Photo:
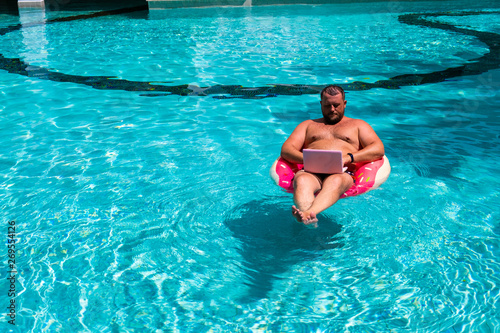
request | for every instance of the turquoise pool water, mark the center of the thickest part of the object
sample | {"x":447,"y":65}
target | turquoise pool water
{"x":135,"y":150}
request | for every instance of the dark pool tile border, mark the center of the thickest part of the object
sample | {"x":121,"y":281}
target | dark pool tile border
{"x":489,"y":61}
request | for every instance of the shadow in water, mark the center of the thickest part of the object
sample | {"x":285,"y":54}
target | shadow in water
{"x":272,"y":242}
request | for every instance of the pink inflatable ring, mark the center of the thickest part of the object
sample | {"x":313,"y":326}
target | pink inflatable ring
{"x":368,"y":176}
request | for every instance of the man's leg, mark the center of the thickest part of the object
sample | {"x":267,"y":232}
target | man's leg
{"x":305,"y":185}
{"x":333,"y":187}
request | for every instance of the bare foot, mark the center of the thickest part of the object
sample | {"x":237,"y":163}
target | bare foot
{"x":297,"y":214}
{"x":310,"y":219}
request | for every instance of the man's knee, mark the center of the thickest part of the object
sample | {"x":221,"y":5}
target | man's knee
{"x":306,"y":180}
{"x":338,"y":181}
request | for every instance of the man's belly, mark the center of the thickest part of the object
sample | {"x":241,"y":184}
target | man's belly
{"x":332,"y":145}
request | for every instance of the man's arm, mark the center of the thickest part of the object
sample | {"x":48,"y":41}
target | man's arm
{"x":371,"y":146}
{"x":292,"y":148}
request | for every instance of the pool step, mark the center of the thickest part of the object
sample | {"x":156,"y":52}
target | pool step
{"x":31,"y":3}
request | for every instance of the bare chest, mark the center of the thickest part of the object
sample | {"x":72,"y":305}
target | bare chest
{"x":332,"y":133}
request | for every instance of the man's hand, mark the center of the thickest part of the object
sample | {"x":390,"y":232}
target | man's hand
{"x":346,"y":159}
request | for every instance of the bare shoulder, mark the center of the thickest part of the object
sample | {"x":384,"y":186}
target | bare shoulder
{"x":366,"y":133}
{"x":300,"y":130}
{"x":306,"y":123}
{"x":359,"y":123}
{"x":315,"y":121}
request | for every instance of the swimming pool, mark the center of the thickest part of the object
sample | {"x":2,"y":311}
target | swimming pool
{"x":135,"y":155}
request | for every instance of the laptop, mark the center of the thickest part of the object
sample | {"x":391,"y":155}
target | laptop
{"x":323,"y":161}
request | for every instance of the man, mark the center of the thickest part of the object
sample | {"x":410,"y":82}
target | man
{"x":354,"y":137}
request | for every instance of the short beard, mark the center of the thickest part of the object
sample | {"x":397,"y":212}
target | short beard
{"x":329,"y":121}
